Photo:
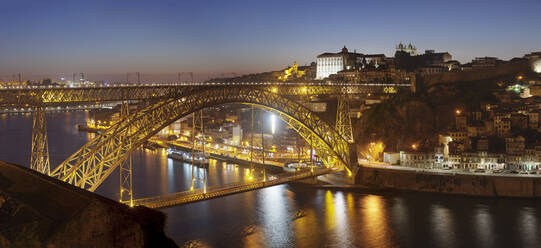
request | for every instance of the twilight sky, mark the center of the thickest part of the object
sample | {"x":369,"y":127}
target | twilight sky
{"x":52,"y":37}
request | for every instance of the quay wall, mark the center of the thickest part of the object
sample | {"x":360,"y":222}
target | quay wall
{"x":463,"y":184}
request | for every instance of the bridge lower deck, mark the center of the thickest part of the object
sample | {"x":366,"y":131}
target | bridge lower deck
{"x":196,"y":195}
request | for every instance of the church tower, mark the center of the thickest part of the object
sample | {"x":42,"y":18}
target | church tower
{"x":412,"y":50}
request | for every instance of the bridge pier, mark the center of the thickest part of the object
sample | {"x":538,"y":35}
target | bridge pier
{"x":39,"y":157}
{"x":311,"y":180}
{"x":351,"y":174}
{"x":125,"y":171}
{"x":352,"y":179}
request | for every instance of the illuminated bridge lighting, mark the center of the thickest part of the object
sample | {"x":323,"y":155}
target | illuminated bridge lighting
{"x":273,"y":124}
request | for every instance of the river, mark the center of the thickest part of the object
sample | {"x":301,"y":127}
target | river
{"x":285,"y":216}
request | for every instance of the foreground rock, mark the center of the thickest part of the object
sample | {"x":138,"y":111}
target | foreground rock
{"x":39,"y":211}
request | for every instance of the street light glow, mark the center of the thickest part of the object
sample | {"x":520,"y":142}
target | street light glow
{"x":537,"y":66}
{"x":273,"y":123}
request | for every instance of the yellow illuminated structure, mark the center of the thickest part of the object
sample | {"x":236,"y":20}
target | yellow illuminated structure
{"x":390,"y":90}
{"x":90,"y":165}
{"x":95,"y":161}
{"x":39,"y":158}
{"x":125,"y":170}
{"x":47,"y":96}
{"x":91,"y":123}
{"x":373,"y":151}
{"x":292,"y":71}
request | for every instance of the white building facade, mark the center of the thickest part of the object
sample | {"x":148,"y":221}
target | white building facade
{"x":331,"y":63}
{"x":328,"y":65}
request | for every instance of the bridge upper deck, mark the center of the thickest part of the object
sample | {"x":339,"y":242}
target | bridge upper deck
{"x":54,"y":95}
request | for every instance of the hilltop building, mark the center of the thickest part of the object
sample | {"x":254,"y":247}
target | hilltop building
{"x":371,"y":61}
{"x":332,"y":63}
{"x":432,"y":58}
{"x":412,"y":50}
{"x":533,"y":56}
{"x":291,"y":72}
{"x":485,"y":62}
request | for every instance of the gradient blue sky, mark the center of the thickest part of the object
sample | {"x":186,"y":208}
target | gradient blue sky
{"x":48,"y":36}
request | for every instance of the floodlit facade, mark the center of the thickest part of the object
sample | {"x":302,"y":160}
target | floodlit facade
{"x":331,"y":63}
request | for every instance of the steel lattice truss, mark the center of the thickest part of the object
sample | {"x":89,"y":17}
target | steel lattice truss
{"x":45,"y":96}
{"x":56,"y":95}
{"x":343,"y":120}
{"x":92,"y":163}
{"x":39,"y":157}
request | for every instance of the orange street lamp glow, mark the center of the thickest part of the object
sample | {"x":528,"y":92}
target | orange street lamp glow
{"x":414,"y":146}
{"x":458,"y":111}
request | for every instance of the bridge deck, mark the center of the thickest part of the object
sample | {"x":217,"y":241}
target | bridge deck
{"x":61,"y":95}
{"x":186,"y":197}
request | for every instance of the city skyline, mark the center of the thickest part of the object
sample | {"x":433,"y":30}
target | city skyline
{"x":61,"y":37}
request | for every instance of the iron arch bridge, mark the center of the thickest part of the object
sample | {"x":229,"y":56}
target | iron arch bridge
{"x":89,"y":166}
{"x":41,"y":96}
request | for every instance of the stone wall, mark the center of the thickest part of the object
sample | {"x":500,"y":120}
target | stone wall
{"x":487,"y":185}
{"x":476,"y":74}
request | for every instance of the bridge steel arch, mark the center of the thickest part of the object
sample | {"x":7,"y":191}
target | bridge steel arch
{"x":89,"y":166}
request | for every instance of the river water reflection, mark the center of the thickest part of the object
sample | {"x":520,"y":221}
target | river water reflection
{"x":285,"y":216}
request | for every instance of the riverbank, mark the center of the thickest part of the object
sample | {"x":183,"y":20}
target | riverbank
{"x":392,"y":179}
{"x":271,"y":166}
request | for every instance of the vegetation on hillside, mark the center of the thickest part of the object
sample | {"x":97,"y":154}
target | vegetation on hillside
{"x":407,"y":120}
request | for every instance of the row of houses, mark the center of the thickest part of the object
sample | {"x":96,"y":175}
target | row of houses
{"x":467,"y":160}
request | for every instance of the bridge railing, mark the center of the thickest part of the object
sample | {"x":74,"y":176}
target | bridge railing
{"x":179,"y":84}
